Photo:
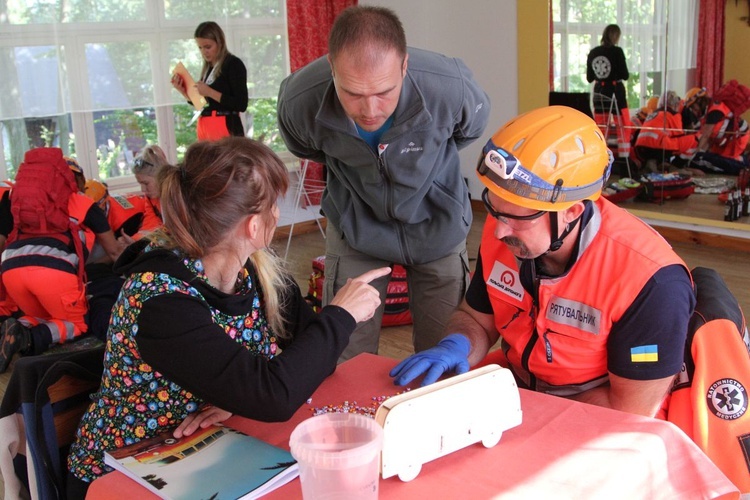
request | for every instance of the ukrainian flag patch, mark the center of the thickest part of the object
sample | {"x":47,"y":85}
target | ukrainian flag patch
{"x":644,"y":354}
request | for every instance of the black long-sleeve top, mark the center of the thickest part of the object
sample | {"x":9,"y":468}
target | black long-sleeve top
{"x":232,"y":83}
{"x":607,"y":66}
{"x":175,"y":342}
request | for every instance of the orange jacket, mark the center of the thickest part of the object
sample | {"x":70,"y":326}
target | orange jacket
{"x":560,"y":347}
{"x":663,"y":130}
{"x":151,"y":209}
{"x":120,"y":211}
{"x":729,"y":137}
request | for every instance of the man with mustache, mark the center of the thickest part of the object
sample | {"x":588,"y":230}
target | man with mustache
{"x":587,"y":301}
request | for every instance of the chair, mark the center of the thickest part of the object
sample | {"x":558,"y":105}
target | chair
{"x":607,"y":116}
{"x":307,"y":190}
{"x":44,"y":402}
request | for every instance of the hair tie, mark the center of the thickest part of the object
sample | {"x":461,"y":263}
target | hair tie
{"x":183,"y":172}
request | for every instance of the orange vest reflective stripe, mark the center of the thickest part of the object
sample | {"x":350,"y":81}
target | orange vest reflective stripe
{"x":564,"y":350}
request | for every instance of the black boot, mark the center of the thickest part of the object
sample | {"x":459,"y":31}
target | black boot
{"x":14,"y":337}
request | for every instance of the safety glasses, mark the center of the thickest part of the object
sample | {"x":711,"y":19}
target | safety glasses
{"x":507,"y":172}
{"x":517,"y":222}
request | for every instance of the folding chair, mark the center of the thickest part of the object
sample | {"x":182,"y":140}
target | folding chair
{"x":43,"y":404}
{"x":307,"y":193}
{"x":607,"y":116}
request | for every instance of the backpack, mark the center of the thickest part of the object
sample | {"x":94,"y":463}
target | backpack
{"x":709,"y":399}
{"x":39,"y":200}
{"x":735,"y":96}
{"x":396,"y":311}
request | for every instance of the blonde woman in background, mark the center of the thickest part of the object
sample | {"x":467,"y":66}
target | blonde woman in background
{"x":223,"y":82}
{"x":146,"y":169}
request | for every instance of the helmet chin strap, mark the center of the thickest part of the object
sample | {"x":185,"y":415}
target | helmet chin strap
{"x":556,"y":240}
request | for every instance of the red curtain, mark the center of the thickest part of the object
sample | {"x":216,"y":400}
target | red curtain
{"x":308,"y":26}
{"x":710,"y":63}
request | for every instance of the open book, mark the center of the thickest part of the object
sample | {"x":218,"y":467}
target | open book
{"x":199,"y":102}
{"x":216,"y":462}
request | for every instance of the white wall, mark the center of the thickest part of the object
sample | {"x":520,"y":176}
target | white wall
{"x":481,"y":32}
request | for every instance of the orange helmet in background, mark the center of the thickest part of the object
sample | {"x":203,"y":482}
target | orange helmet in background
{"x":546,"y":159}
{"x":652,"y":103}
{"x":694,"y":94}
{"x":96,"y":190}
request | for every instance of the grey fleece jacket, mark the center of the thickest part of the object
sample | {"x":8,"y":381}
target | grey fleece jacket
{"x":408,"y":204}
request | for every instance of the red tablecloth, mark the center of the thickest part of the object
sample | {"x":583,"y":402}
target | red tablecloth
{"x":563,"y":449}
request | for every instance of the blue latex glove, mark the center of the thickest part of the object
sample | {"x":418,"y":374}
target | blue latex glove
{"x":451,"y":353}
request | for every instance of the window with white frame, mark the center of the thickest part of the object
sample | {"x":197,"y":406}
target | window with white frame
{"x":93,"y":76}
{"x":658,"y":38}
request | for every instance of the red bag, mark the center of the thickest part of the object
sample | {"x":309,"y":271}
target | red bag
{"x":396,"y":302}
{"x":40,"y":196}
{"x":736,"y":97}
{"x":39,"y":200}
{"x":658,"y":187}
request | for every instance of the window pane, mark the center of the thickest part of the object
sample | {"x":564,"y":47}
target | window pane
{"x":262,"y":124}
{"x":120,"y":136}
{"x":201,"y":9}
{"x":119,"y":75}
{"x":31,"y":82}
{"x":264,"y":58}
{"x":588,"y":11}
{"x":20,"y":135}
{"x":67,"y":11}
{"x":184,"y":128}
{"x":578,"y":49}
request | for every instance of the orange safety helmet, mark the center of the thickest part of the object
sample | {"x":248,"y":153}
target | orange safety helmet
{"x":96,"y":190}
{"x":652,"y":103}
{"x":546,"y":159}
{"x":694,"y":94}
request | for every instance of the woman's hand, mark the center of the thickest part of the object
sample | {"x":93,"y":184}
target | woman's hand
{"x":179,"y":84}
{"x":200,"y":420}
{"x":207,"y":91}
{"x":358,"y":297}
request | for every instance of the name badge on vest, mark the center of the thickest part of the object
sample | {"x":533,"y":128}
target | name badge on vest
{"x":506,"y":280}
{"x":575,"y":314}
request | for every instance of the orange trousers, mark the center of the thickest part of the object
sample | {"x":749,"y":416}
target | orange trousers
{"x":51,"y":297}
{"x":7,"y":306}
{"x":212,"y":128}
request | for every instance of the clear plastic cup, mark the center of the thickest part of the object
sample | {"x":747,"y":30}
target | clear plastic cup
{"x":338,"y":456}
